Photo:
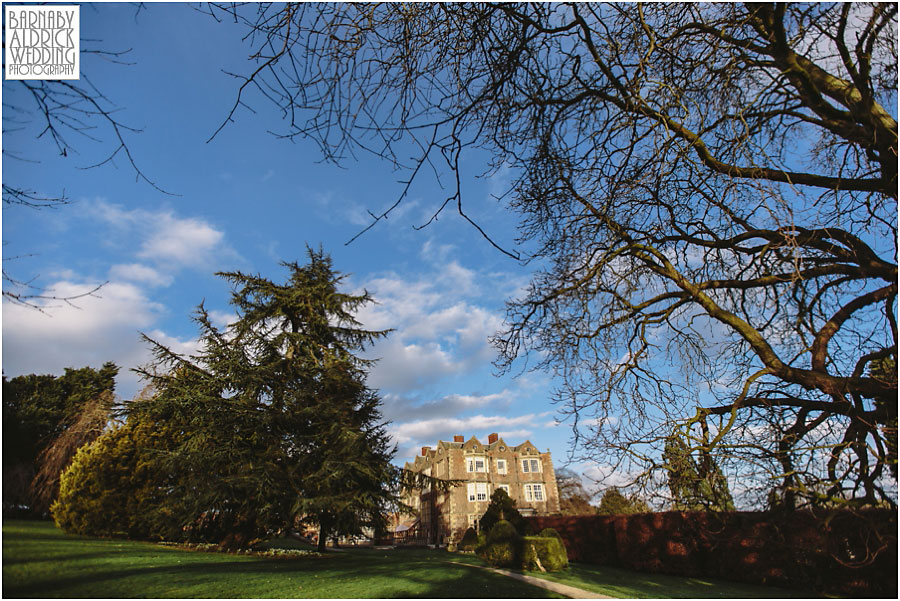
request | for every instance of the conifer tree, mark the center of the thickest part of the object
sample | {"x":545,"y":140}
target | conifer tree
{"x":614,"y":502}
{"x":502,"y":507}
{"x":695,"y":485}
{"x":276,"y":422}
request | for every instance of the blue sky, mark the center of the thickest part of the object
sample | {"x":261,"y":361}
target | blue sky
{"x":247,"y":200}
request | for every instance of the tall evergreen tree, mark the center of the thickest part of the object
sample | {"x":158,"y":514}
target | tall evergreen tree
{"x":614,"y":502}
{"x":695,"y":485}
{"x":277,"y":423}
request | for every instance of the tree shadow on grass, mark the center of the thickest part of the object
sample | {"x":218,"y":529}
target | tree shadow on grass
{"x":57,"y":558}
{"x":337,"y":577}
{"x":627,"y":583}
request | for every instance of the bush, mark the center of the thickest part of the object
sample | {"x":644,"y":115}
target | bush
{"x":98,"y":494}
{"x":550,"y":532}
{"x":469,"y":540}
{"x":482,"y":543}
{"x":544,"y":553}
{"x":502,"y":531}
{"x":503,"y":547}
{"x":113,"y":487}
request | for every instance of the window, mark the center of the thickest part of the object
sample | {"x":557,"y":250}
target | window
{"x":531,"y":466}
{"x":534,"y":492}
{"x":501,"y":466}
{"x":504,"y":487}
{"x":478,"y":491}
{"x":476,"y":464}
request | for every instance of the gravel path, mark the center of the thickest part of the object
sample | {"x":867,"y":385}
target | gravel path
{"x":563,"y":589}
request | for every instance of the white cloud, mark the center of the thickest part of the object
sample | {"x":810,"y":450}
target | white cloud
{"x":436,"y":252}
{"x":222,"y":319}
{"x":136,"y":272}
{"x":402,"y":367}
{"x":88,"y":332}
{"x":442,"y":322}
{"x":106,"y":326}
{"x":181,"y":346}
{"x":168,"y":241}
{"x":401,"y":408}
{"x":181,"y":242}
{"x":440,"y":327}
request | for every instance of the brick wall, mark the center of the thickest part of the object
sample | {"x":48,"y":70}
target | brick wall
{"x":841,"y":552}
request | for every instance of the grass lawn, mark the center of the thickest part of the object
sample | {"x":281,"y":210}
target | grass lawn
{"x":41,"y":561}
{"x":616,"y":582}
{"x":627,"y":584}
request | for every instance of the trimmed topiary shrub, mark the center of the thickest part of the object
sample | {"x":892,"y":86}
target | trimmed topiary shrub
{"x":469,"y":540}
{"x":551,"y":532}
{"x":545,"y":554}
{"x":502,"y":531}
{"x":504,"y":546}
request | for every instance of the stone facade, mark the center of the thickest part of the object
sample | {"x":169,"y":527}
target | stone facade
{"x":525,"y":472}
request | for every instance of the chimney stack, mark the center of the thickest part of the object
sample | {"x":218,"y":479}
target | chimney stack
{"x":425,"y":451}
{"x":492,"y":438}
{"x":459,"y":438}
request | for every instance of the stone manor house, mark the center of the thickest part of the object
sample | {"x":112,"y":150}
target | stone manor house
{"x":523,"y":471}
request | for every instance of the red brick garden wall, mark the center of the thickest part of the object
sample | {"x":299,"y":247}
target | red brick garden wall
{"x":840,"y":553}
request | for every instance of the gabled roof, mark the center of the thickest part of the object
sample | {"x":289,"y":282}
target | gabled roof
{"x":498,"y":443}
{"x":421,"y":462}
{"x":473,"y":444}
{"x":522,"y":448}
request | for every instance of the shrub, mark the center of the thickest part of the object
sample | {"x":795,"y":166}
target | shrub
{"x":98,"y":494}
{"x":482,"y":542}
{"x":113,"y":486}
{"x":544,"y":553}
{"x":469,"y":540}
{"x":503,"y":548}
{"x":550,"y":532}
